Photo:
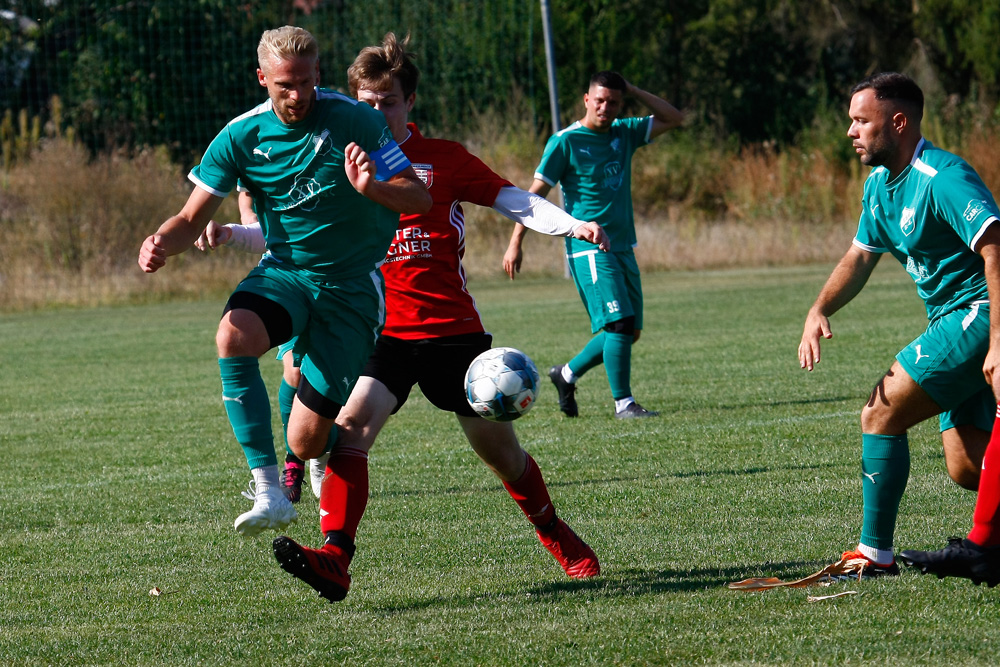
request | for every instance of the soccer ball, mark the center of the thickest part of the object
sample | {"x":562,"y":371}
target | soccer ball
{"x":501,"y":384}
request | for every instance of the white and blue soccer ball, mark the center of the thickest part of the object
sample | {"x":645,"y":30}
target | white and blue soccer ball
{"x":501,"y":384}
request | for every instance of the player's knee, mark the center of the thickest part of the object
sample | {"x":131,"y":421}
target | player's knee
{"x":966,"y":476}
{"x":291,"y":375}
{"x":625,"y":326}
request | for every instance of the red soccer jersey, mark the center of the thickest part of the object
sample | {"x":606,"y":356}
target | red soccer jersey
{"x":426,"y":294}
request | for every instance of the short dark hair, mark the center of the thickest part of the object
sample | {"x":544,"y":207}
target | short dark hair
{"x":377,"y":65}
{"x":608,"y":79}
{"x":897,"y":88}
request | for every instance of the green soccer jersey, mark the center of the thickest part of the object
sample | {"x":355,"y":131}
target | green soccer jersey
{"x":595,"y":171}
{"x":930,"y":218}
{"x":312,"y":217}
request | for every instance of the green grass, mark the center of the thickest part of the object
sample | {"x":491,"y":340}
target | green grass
{"x":120,"y":474}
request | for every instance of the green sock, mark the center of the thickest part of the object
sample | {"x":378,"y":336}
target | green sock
{"x":286,"y":395}
{"x":245,"y":399}
{"x":618,"y":363}
{"x":591,"y":355}
{"x":885,"y":467}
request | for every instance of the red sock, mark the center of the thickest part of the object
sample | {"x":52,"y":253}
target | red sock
{"x":986,"y":519}
{"x":531,"y":494}
{"x":344,"y":496}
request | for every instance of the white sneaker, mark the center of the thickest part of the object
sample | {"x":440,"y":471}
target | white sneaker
{"x":317,"y":472}
{"x":271,"y":509}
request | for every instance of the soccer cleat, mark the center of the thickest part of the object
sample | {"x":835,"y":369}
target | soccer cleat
{"x":291,"y":481}
{"x":576,"y":558}
{"x":317,"y":473}
{"x":635,"y":411}
{"x":271,"y":509}
{"x":567,"y":391}
{"x":868,"y":569}
{"x":961,"y":558}
{"x":323,"y":569}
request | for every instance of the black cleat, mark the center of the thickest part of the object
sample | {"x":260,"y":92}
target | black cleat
{"x":322,"y":569}
{"x":961,"y":558}
{"x":567,"y":391}
{"x":635,"y":411}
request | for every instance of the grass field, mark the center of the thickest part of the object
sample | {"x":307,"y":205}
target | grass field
{"x":121,"y":475}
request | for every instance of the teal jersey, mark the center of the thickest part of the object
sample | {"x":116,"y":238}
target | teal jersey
{"x":312,"y":217}
{"x":595,"y":171}
{"x":930,"y":218}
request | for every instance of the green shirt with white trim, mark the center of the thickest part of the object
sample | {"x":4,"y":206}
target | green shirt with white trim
{"x":595,"y":171}
{"x":312,"y":217}
{"x":930,"y":218}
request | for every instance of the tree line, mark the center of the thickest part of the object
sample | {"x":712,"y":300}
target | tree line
{"x":172,"y":72}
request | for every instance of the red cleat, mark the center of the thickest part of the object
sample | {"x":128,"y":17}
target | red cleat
{"x":324,"y":569}
{"x":576,"y":558}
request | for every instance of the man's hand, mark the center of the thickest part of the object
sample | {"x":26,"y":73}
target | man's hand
{"x":592,"y":233}
{"x":359,"y":167}
{"x":512,"y":260}
{"x":213,"y":236}
{"x":817,"y":326}
{"x":152,"y":255}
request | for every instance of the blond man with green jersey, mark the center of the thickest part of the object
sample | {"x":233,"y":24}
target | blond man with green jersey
{"x":328,"y":183}
{"x":592,"y":160}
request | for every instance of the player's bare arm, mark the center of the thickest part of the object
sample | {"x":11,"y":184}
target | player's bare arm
{"x":180,"y":231}
{"x":512,"y":257}
{"x":665,"y":115}
{"x":846,"y":281}
{"x":403,"y":193}
{"x":989,"y":247}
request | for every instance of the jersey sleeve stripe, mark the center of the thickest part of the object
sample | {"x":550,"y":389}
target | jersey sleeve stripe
{"x":540,"y":176}
{"x":204,"y":186}
{"x":982,"y":230}
{"x":870,"y":248}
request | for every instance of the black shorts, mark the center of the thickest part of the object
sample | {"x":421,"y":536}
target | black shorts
{"x":438,"y":365}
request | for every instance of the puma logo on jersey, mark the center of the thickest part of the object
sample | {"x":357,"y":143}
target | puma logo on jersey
{"x":874,"y":208}
{"x":921,"y":355}
{"x":586,"y":151}
{"x":266,"y":156}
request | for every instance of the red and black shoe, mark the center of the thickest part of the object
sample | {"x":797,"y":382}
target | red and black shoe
{"x":576,"y":558}
{"x":324,"y":569}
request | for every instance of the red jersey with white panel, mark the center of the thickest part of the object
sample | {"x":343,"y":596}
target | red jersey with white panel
{"x":426,"y":293}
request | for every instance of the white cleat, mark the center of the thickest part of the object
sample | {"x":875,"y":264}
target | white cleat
{"x":317,"y":473}
{"x":271,"y":509}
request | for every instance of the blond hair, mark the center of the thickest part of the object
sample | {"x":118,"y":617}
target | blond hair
{"x":376,"y":66}
{"x":286,"y":43}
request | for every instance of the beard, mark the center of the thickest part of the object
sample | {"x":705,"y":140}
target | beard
{"x":879,"y":151}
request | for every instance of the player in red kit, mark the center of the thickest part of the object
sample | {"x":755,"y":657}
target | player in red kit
{"x":432,"y":332}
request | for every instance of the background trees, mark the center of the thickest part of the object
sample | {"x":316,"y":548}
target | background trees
{"x":171,"y":72}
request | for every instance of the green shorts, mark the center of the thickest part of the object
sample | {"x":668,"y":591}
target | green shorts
{"x":609,"y":285}
{"x":947,"y":362}
{"x":335,"y":323}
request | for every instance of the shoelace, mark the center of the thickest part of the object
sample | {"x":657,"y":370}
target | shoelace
{"x":251,"y":491}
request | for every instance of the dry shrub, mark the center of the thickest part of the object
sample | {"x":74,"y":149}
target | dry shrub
{"x":71,"y":227}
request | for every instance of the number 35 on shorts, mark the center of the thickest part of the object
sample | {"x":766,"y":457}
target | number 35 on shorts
{"x":614,"y":306}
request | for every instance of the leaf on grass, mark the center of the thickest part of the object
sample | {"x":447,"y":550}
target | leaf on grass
{"x":155,"y":592}
{"x":845,"y":566}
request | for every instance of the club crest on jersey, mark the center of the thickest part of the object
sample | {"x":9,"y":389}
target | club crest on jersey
{"x":425,"y":172}
{"x":906,"y":222}
{"x":975,"y":207}
{"x":613,"y":175}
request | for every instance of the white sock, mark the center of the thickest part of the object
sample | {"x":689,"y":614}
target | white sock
{"x":877,"y":556}
{"x":265,"y":476}
{"x":569,"y":375}
{"x":622,"y":403}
